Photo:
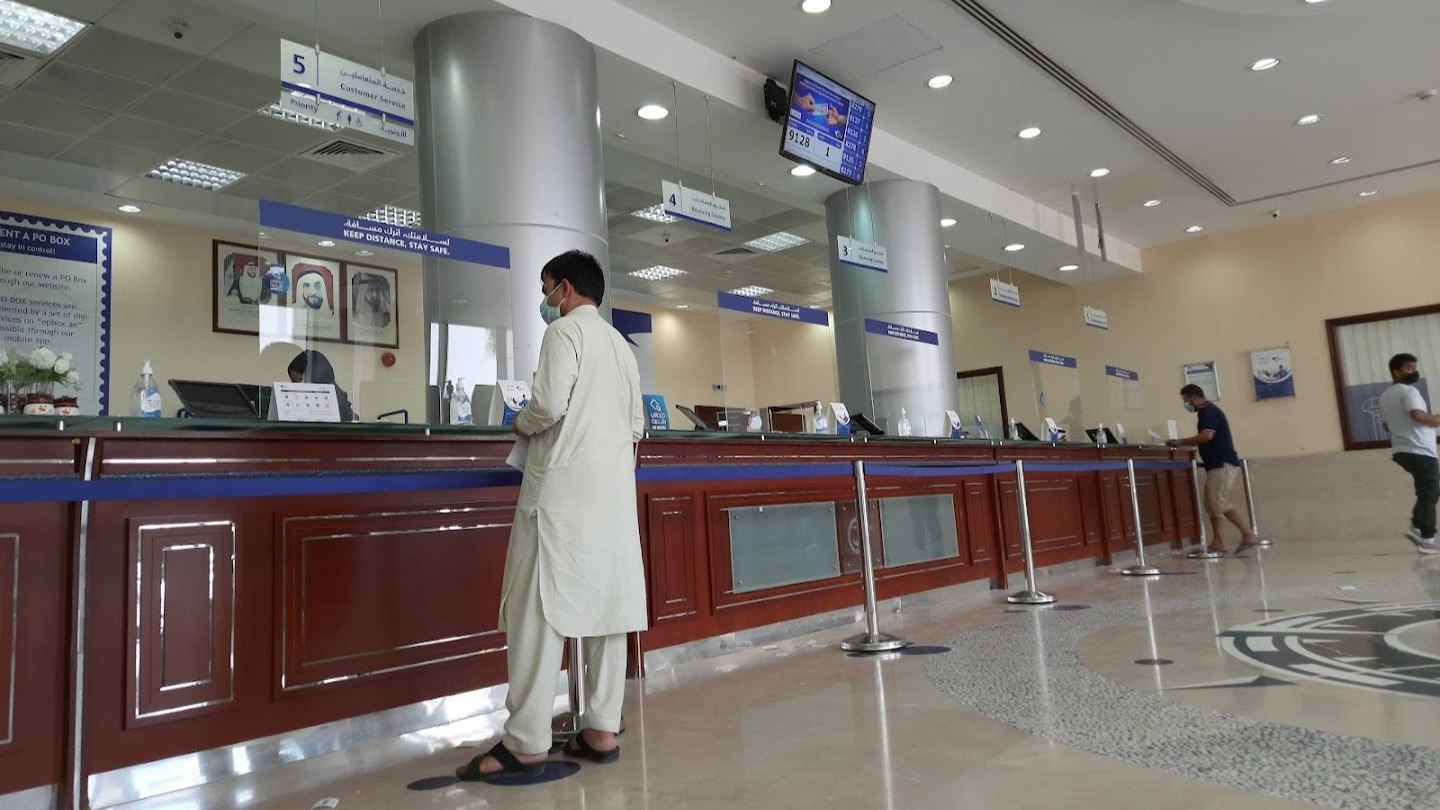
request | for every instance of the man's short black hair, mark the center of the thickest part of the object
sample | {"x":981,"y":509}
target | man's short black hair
{"x":1192,"y":390}
{"x":1398,"y":361}
{"x":581,"y":270}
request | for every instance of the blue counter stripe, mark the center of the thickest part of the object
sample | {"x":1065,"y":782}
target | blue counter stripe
{"x":146,"y":488}
{"x":1061,"y":467}
{"x":748,"y":473}
{"x":895,"y":471}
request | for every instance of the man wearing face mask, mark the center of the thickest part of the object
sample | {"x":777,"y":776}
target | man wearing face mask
{"x":573,"y":568}
{"x":1221,"y":463}
{"x":1412,"y":440}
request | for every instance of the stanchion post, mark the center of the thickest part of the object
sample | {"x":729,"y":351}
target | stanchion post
{"x":1139,"y":569}
{"x":872,"y":640}
{"x":1031,"y":595}
{"x":568,"y":725}
{"x":1204,"y":552}
{"x":1250,"y":505}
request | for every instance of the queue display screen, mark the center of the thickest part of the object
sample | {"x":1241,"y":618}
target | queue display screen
{"x":828,"y":125}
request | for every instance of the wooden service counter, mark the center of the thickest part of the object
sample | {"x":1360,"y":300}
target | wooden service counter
{"x":176,"y":587}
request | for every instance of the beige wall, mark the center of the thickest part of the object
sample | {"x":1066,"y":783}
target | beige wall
{"x":162,"y":312}
{"x":1218,"y":298}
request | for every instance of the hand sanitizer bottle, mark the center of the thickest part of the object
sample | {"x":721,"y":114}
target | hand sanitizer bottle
{"x":1100,"y":435}
{"x":903,"y":426}
{"x":753,"y":423}
{"x":1014,"y":431}
{"x":822,"y":425}
{"x":460,"y":412}
{"x":145,"y":396}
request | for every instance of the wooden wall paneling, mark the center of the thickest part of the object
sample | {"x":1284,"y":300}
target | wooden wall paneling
{"x":1165,"y":494}
{"x":1183,"y":495}
{"x":673,"y":565}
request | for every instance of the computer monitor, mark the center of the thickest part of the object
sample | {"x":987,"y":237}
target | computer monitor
{"x":694,"y":418}
{"x":1094,"y":434}
{"x":1024,"y":433}
{"x":216,"y":400}
{"x":863,"y":422}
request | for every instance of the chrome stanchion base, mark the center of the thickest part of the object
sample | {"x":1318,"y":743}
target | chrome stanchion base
{"x":1263,"y":543}
{"x":1141,"y":571}
{"x":563,"y":729}
{"x":882,"y":642}
{"x":1030,"y":598}
{"x":1204,"y":553}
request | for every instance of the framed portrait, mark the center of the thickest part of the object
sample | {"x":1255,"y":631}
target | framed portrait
{"x":372,"y":311}
{"x":244,"y":278}
{"x":313,"y":299}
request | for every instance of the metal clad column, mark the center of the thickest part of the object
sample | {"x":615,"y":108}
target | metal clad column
{"x":881,"y":375}
{"x":509,"y":129}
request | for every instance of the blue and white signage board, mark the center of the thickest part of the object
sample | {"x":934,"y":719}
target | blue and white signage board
{"x":695,"y":206}
{"x":341,"y":81}
{"x":55,"y":294}
{"x":1205,"y":375}
{"x":1096,"y":318}
{"x":507,"y":399}
{"x":980,"y":429}
{"x":656,"y":416}
{"x":957,"y":430}
{"x":900,"y":331}
{"x":772,"y":309}
{"x":865,"y":255}
{"x":1003,"y":293}
{"x":286,"y":217}
{"x":347,"y":117}
{"x":1274,"y":373}
{"x":840,"y":418}
{"x":1048,"y":359}
{"x":1122,"y":373}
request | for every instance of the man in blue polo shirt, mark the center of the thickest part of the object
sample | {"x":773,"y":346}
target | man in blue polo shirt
{"x":1221,"y":463}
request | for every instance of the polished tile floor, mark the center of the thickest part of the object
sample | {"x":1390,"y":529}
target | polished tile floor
{"x":1304,"y":675}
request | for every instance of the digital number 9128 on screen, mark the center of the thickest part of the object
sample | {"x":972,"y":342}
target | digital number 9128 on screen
{"x":800,"y":139}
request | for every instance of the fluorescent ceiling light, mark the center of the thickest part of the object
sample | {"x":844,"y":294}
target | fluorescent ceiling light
{"x":1264,"y":64}
{"x":364,"y":253}
{"x":195,"y":175}
{"x":777,"y":241}
{"x":803,"y":170}
{"x":1099,"y":172}
{"x":1015,"y":247}
{"x":940,"y":82}
{"x":658,"y":273}
{"x":275,"y":111}
{"x":1029,"y":133}
{"x":815,"y":6}
{"x":682,"y":306}
{"x":751,"y":291}
{"x":393,"y":215}
{"x":1151,"y":203}
{"x":1313,"y":2}
{"x":1194,"y":229}
{"x":33,"y":30}
{"x":1370,"y":193}
{"x":130,"y":209}
{"x":946,"y":222}
{"x":1340,"y":161}
{"x":1069,"y":268}
{"x":652,"y":112}
{"x":655,"y":213}
{"x":326,"y":243}
{"x":1307,"y":120}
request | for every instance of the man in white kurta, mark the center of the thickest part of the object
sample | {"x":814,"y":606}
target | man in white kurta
{"x":573,"y":568}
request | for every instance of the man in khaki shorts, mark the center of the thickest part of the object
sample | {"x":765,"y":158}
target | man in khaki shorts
{"x":1221,"y":463}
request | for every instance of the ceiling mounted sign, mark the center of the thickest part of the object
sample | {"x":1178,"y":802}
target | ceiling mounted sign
{"x":1003,"y":293}
{"x":333,"y":81}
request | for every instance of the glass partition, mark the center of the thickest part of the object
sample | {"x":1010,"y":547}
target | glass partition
{"x":778,"y":360}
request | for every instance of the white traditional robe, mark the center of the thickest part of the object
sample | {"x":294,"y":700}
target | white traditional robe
{"x":577,"y":501}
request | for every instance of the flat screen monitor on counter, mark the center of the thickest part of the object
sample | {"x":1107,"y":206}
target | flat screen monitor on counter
{"x":827,"y":126}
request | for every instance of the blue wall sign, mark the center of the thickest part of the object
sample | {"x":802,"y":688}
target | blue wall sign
{"x":656,"y":415}
{"x":1053,"y":359}
{"x":773,"y":309}
{"x":363,"y":231}
{"x":896,"y":330}
{"x":1122,"y":373}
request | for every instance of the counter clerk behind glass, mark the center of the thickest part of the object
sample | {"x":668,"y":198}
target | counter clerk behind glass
{"x":573,"y":568}
{"x":313,"y":367}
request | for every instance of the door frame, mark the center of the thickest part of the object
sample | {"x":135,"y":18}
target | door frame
{"x":998,"y":372}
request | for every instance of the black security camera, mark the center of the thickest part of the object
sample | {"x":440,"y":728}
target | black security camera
{"x":777,"y":100}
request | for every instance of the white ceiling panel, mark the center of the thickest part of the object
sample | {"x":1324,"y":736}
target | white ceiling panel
{"x":29,"y":141}
{"x":86,"y":87}
{"x":227,"y":85}
{"x":305,"y":172}
{"x":274,"y":134}
{"x":205,"y":28}
{"x":342,"y":203}
{"x":109,"y":157}
{"x":101,"y":49}
{"x":86,"y":10}
{"x":231,"y":155}
{"x":265,"y":188}
{"x":256,"y":49}
{"x":29,"y":109}
{"x":405,"y":169}
{"x":140,"y":133}
{"x":375,"y":188}
{"x":186,"y":111}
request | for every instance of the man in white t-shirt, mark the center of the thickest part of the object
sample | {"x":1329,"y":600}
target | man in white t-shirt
{"x":1412,"y":439}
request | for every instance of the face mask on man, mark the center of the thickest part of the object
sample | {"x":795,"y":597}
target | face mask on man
{"x":1190,"y":406}
{"x":550,"y":314}
{"x":1411,"y":378}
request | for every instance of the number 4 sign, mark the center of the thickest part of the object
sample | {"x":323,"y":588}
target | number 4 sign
{"x":695,"y":206}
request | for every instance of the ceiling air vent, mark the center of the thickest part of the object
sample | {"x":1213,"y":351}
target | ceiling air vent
{"x":734,"y":254}
{"x":16,"y":68}
{"x":349,"y":155}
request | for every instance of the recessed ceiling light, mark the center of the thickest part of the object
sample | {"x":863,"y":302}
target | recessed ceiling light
{"x":815,"y":6}
{"x":1340,"y":161}
{"x":1099,"y":172}
{"x":1014,"y":247}
{"x":1264,"y":64}
{"x":751,"y":291}
{"x":1307,"y":120}
{"x":1069,"y":268}
{"x":195,"y":175}
{"x":1029,"y":132}
{"x":940,"y":82}
{"x":777,"y":241}
{"x":655,"y":213}
{"x":1194,"y":229}
{"x":264,"y":235}
{"x":803,"y":170}
{"x":1370,"y":193}
{"x":1151,"y":203}
{"x":658,"y":273}
{"x":326,"y":243}
{"x":364,"y":253}
{"x":394,"y":215}
{"x":1313,"y":2}
{"x":946,"y":222}
{"x":682,"y":306}
{"x":33,"y":30}
{"x":652,"y":112}
{"x":130,"y":209}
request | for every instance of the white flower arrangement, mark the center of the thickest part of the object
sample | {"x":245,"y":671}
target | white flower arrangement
{"x":43,"y":365}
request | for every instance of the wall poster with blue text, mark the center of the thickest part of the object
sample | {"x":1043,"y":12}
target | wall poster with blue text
{"x":55,"y":294}
{"x":1274,"y":373}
